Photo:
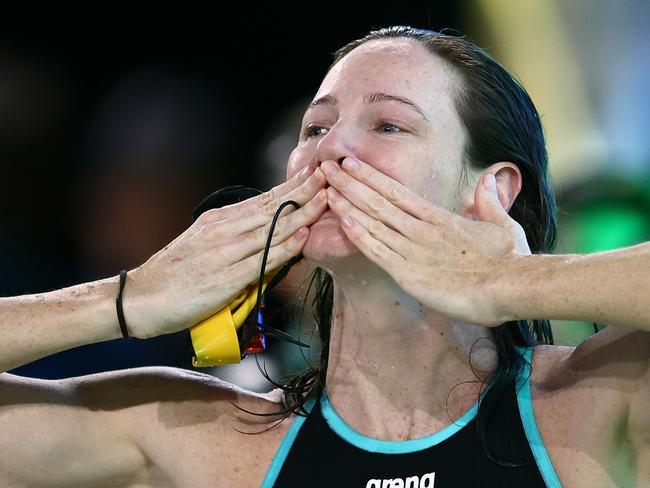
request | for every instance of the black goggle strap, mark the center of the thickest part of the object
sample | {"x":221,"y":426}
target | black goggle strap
{"x":259,"y":326}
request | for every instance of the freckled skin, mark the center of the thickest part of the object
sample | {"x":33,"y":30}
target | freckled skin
{"x":387,"y":357}
{"x":392,"y":370}
{"x":428,"y":161}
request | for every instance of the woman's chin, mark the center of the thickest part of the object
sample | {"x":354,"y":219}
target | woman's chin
{"x":327,"y":241}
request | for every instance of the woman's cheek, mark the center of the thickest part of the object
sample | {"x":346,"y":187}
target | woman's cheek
{"x":300,"y":157}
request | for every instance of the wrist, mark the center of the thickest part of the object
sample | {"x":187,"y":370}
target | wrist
{"x":518,"y":290}
{"x":93,"y":303}
{"x":118,"y":306}
{"x":527,"y":286}
{"x":129,"y":296}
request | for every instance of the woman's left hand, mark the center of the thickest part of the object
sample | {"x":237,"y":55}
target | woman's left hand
{"x":448,"y":262}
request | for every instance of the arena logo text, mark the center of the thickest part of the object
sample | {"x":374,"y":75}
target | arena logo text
{"x":426,"y":481}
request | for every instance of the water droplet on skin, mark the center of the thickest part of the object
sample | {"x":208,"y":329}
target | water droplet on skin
{"x":350,"y":277}
{"x":364,"y":282}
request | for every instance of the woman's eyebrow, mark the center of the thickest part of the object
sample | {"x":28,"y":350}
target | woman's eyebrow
{"x":385,"y":97}
{"x":324,"y":100}
{"x":372,"y":98}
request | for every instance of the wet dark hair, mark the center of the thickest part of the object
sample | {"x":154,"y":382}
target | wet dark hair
{"x":501,"y":124}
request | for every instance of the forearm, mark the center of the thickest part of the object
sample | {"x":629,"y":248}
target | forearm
{"x":35,"y":326}
{"x":611,"y":287}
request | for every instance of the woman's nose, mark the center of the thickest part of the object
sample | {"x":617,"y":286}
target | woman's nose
{"x":340,"y":160}
{"x":336,"y":145}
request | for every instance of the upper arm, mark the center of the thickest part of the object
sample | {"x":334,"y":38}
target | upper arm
{"x":186,"y":425}
{"x":51,"y":437}
{"x":617,"y":363}
{"x":120,"y":427}
{"x":639,"y":407}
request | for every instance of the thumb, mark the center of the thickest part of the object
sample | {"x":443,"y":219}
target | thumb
{"x":487,"y":203}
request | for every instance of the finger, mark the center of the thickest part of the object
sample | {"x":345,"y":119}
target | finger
{"x":378,"y":206}
{"x":396,"y":193}
{"x":488,"y":206}
{"x":254,"y":204}
{"x":256,"y":216}
{"x":264,"y":210}
{"x":248,"y":270}
{"x":376,"y":228}
{"x":285,"y":227}
{"x":372,"y":248}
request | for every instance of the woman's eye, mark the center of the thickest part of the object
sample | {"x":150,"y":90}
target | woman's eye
{"x":314,"y":131}
{"x":386,"y":127}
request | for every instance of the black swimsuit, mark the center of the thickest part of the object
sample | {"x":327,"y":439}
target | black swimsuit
{"x":321,"y":450}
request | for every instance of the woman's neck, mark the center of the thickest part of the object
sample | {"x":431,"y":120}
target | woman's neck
{"x":396,"y":369}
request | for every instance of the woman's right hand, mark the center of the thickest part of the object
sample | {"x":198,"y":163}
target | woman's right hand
{"x":220,"y":254}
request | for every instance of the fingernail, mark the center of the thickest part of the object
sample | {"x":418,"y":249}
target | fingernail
{"x":490,"y":182}
{"x":351,"y":164}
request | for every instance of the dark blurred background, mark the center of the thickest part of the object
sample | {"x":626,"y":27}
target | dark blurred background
{"x":112,"y":132}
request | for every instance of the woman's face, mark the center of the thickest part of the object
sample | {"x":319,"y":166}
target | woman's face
{"x":388,"y":103}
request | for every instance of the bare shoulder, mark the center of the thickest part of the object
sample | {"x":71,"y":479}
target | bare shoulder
{"x":193,"y":427}
{"x":581,"y":401}
{"x":162,"y":385}
{"x":189,"y":428}
{"x":615,"y":359}
{"x":141,"y":396}
{"x":161,"y":397}
{"x":550,"y":362}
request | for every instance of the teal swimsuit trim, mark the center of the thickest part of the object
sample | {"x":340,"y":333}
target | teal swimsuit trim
{"x":347,"y":433}
{"x":285,"y":447}
{"x":530,"y":426}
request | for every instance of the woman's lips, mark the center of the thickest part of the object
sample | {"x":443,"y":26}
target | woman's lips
{"x":327,"y":215}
